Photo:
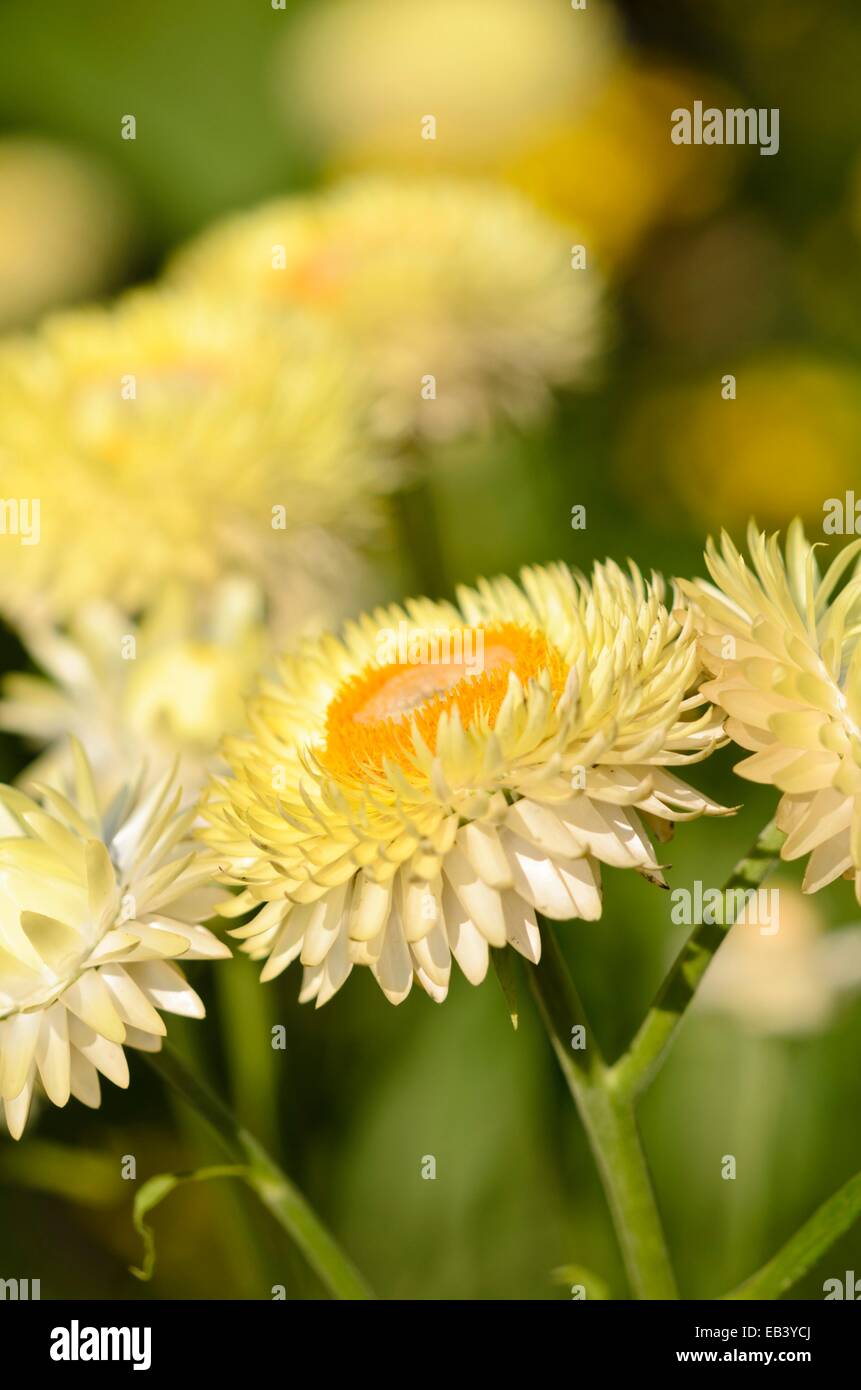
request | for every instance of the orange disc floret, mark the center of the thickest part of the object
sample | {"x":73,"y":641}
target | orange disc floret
{"x":319,"y":278}
{"x":370,"y":720}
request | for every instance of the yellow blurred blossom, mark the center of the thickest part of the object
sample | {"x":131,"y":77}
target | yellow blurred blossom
{"x":536,"y":94}
{"x":614,"y":170}
{"x":788,"y":440}
{"x":459,"y":298}
{"x":362,"y":76}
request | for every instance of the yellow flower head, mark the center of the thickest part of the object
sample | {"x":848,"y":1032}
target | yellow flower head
{"x":168,"y":438}
{"x":782,"y":642}
{"x":423,"y":786}
{"x":530,"y":94}
{"x":459,"y":298}
{"x":95,"y":906}
{"x":157,"y":690}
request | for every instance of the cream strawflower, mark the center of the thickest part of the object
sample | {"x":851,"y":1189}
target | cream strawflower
{"x":462,"y":282}
{"x":161,"y":689}
{"x":95,"y":906}
{"x":783,"y":645}
{"x":424,"y":786}
{"x":171,"y":438}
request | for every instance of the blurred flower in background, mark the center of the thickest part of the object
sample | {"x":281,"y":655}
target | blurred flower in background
{"x":166,"y":686}
{"x":359,"y":76}
{"x":459,"y":297}
{"x":65,"y":228}
{"x":536,"y":95}
{"x":789,"y":440}
{"x":168,"y":437}
{"x":96,"y":903}
{"x":612,"y":168}
{"x":785,"y":982}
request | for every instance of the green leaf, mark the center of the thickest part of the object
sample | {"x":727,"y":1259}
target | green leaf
{"x":505,"y":965}
{"x":802,"y":1251}
{"x":153,"y":1193}
{"x":597,"y":1290}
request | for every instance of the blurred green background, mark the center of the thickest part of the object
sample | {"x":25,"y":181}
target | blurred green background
{"x":759,"y":278}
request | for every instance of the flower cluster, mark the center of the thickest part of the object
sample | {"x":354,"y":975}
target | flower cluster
{"x":203,"y":461}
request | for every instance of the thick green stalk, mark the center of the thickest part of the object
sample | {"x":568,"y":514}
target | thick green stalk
{"x":272,"y":1186}
{"x":610,"y":1125}
{"x":657,"y":1033}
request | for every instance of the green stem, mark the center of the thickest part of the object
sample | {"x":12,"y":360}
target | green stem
{"x":610,"y":1125}
{"x":417,"y":518}
{"x":657,"y":1033}
{"x":272,"y":1186}
{"x":251,"y":1061}
{"x":798,"y":1255}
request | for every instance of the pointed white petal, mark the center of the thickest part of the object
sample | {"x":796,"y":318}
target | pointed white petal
{"x":468,"y":946}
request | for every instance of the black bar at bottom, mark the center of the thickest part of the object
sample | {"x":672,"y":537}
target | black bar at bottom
{"x":61,"y":1338}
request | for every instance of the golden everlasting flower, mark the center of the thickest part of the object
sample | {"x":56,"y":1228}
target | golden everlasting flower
{"x":95,"y":906}
{"x":159,"y":690}
{"x":459,"y":298}
{"x":782,"y":643}
{"x":168,"y":438}
{"x":424,"y":786}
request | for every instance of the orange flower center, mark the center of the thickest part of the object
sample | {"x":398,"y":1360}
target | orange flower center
{"x":320,"y":277}
{"x":370,"y":718}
